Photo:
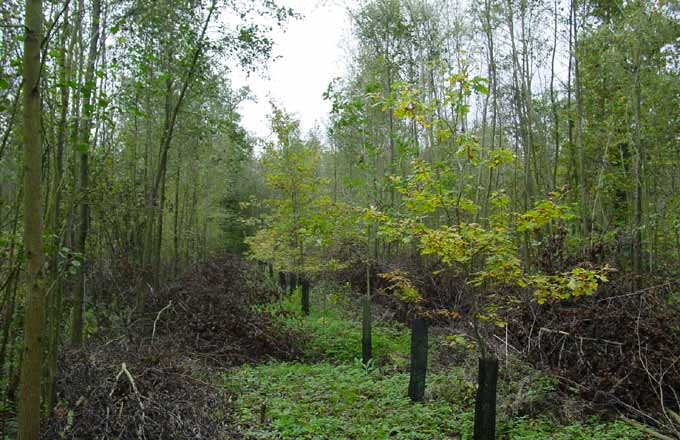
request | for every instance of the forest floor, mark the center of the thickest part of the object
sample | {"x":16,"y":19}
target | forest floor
{"x":330,"y":394}
{"x":216,"y":355}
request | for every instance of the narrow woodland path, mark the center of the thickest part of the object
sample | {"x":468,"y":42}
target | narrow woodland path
{"x":330,"y":394}
{"x":217,"y":355}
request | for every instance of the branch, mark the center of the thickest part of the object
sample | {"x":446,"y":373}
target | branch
{"x":647,"y":430}
{"x":155,"y":321}
{"x":638,"y":292}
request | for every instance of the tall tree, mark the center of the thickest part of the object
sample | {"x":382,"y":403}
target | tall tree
{"x":85,"y":149}
{"x":31,"y":367}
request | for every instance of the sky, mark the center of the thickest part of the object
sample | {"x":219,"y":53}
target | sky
{"x":309,"y":54}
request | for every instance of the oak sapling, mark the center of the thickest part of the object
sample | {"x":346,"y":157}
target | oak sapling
{"x":486,"y":254}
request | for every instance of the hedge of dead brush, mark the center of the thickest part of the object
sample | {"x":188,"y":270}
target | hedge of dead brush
{"x":618,"y":348}
{"x":151,"y":382}
{"x":209,"y":314}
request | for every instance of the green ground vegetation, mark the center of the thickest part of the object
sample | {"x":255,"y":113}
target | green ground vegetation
{"x":331,"y":394}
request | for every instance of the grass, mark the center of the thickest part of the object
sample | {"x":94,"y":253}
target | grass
{"x":332,"y":395}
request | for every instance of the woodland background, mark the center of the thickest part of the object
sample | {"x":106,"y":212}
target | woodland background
{"x":514,"y":164}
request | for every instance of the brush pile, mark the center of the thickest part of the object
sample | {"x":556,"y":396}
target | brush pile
{"x":617,"y":349}
{"x":156,"y":379}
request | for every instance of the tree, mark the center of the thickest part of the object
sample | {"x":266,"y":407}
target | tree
{"x":89,"y":90}
{"x":28,"y":417}
{"x":485,"y":258}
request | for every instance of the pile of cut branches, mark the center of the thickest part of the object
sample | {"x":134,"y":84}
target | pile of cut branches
{"x":617,"y":349}
{"x":209,"y":313}
{"x":156,"y":379}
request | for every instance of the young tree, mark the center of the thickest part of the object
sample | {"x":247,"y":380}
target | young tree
{"x":89,"y":90}
{"x":485,"y":258}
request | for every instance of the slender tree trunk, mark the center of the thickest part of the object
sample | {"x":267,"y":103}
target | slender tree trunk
{"x":10,"y":124}
{"x":494,"y":91}
{"x":582,"y":190}
{"x":639,"y":167}
{"x":89,"y":90}
{"x":176,"y":219}
{"x":523,"y":129}
{"x":158,"y":242}
{"x":553,"y":103}
{"x":55,"y":300}
{"x":534,"y":169}
{"x":9,"y":300}
{"x":28,"y":417}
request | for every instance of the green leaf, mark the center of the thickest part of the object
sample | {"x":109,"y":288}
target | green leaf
{"x":4,"y":84}
{"x":481,"y":88}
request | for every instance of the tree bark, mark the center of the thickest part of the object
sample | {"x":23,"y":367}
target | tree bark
{"x":28,"y":417}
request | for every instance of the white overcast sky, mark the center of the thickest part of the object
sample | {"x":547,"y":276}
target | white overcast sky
{"x":310,"y":54}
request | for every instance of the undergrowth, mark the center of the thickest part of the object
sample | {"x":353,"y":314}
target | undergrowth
{"x":332,"y":395}
{"x":334,"y":334}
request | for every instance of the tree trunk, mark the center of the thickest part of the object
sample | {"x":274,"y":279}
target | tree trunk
{"x":55,"y":300}
{"x":637,"y":236}
{"x":582,"y":190}
{"x":553,"y":103}
{"x":89,"y":88}
{"x":176,"y":220}
{"x":28,"y":417}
